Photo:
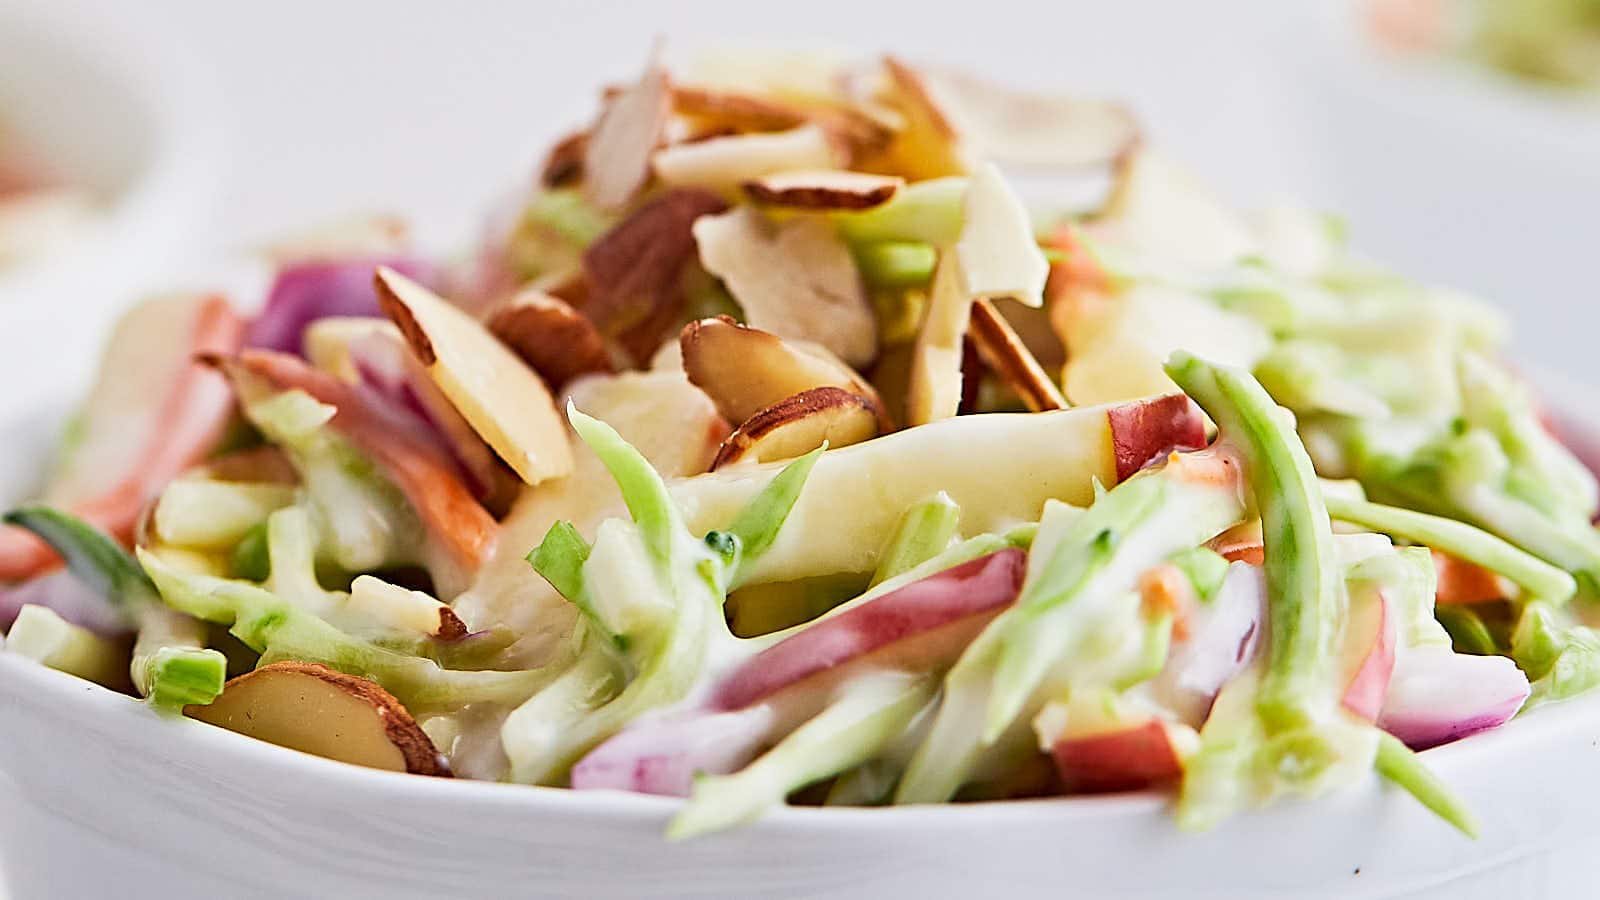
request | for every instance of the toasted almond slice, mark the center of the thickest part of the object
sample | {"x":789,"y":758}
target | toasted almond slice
{"x":724,"y":163}
{"x":360,"y":350}
{"x":554,"y":339}
{"x":1023,"y":128}
{"x":795,"y":279}
{"x":735,"y":110}
{"x":1003,"y":351}
{"x":316,"y":710}
{"x":929,"y":145}
{"x":745,"y":370}
{"x":494,"y":391}
{"x":352,"y":237}
{"x":799,"y":424}
{"x":632,"y":287}
{"x":827,"y":189}
{"x":563,"y":165}
{"x":616,"y":156}
{"x":404,"y":609}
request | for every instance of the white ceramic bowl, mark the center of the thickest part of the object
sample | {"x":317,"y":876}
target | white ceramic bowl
{"x":101,"y":797}
{"x":114,"y":108}
{"x":1454,"y":172}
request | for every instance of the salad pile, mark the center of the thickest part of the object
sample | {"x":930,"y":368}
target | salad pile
{"x":774,"y":449}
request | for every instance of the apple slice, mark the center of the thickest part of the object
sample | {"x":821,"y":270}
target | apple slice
{"x":1125,"y":757}
{"x":316,"y":710}
{"x":499,"y":396}
{"x":1054,"y":455}
{"x":1371,"y":634}
{"x":151,"y":414}
{"x":725,"y":163}
{"x":797,"y":425}
{"x":745,"y":370}
{"x":617,"y":152}
{"x":1145,"y":431}
{"x":554,"y":339}
{"x":920,"y":626}
{"x":425,"y":474}
{"x":976,"y":588}
{"x":795,"y":279}
{"x":823,"y":189}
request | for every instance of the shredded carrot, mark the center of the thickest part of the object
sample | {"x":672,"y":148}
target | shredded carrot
{"x":1166,"y":589}
{"x":1464,"y":582}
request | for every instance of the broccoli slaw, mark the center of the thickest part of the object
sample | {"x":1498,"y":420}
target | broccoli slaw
{"x":775,"y":451}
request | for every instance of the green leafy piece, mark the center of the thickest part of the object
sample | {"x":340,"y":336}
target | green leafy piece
{"x":1468,"y":633}
{"x":643,"y":491}
{"x":249,"y":559}
{"x":869,"y":715}
{"x":1097,"y":561}
{"x":170,"y":664}
{"x":566,"y":213}
{"x":1538,"y":579}
{"x":896,"y":264}
{"x":1561,"y":658}
{"x":1396,"y":762}
{"x":923,"y":532}
{"x":1303,"y":574}
{"x":560,"y":558}
{"x":279,"y":630}
{"x":927,"y":212}
{"x":758,"y":524}
{"x":1205,"y":568}
{"x":92,"y":556}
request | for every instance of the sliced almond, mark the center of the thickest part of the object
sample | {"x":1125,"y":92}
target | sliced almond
{"x":1006,"y":355}
{"x":735,"y":110}
{"x":1027,"y":129}
{"x":316,"y":710}
{"x":798,"y":425}
{"x":632,"y":287}
{"x":824,"y":189}
{"x":376,"y":600}
{"x":995,"y":256}
{"x":554,"y":339}
{"x":504,"y":401}
{"x":1166,"y":214}
{"x":360,"y":350}
{"x":796,"y":279}
{"x":745,"y":370}
{"x":929,"y":145}
{"x":616,"y":155}
{"x":563,"y":165}
{"x":724,"y":163}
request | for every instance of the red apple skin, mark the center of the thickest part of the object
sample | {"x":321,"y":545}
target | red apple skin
{"x":975,"y":588}
{"x":193,"y":414}
{"x":1369,"y":684}
{"x":1128,"y":759}
{"x":423,"y":471}
{"x":1145,"y":431}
